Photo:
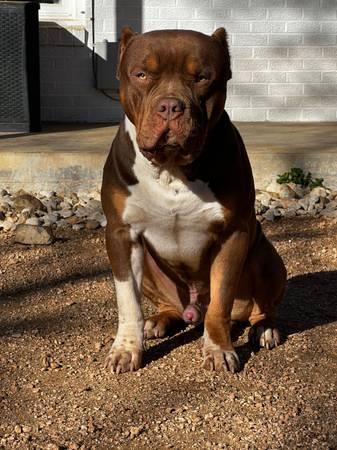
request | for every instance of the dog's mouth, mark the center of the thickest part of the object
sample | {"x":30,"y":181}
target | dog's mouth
{"x":173,"y":155}
{"x":168,"y":154}
{"x":172,"y":149}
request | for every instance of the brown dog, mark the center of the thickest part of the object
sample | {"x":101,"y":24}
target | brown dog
{"x":178,"y":195}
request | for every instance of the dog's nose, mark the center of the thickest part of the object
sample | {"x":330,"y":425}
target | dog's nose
{"x":170,"y":108}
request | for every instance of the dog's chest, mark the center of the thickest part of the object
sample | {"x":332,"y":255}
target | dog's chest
{"x":175,"y":217}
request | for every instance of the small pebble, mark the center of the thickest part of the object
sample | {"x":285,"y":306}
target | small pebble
{"x":98,"y":346}
{"x":18,"y":429}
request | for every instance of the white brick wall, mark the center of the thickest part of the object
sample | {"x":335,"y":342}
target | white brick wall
{"x":284,"y":56}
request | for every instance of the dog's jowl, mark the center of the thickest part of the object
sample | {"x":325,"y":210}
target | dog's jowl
{"x":178,"y":195}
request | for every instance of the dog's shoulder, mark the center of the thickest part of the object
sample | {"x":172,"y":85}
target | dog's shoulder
{"x":225,"y":167}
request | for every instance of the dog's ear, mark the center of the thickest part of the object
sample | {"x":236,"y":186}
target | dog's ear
{"x":127,"y":35}
{"x":221,"y":36}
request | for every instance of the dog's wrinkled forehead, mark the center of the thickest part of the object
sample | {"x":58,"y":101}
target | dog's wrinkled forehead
{"x":187,"y":53}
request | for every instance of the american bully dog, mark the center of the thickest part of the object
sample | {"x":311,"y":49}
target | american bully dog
{"x":178,"y":195}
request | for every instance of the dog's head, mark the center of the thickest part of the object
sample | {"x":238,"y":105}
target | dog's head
{"x":173,"y":89}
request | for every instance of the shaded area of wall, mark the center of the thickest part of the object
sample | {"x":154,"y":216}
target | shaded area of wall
{"x":67,"y":78}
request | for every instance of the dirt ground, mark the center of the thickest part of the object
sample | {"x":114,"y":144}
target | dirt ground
{"x":56,"y":325}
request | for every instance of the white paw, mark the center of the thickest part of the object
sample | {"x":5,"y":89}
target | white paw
{"x":265,"y":337}
{"x":124,"y":358}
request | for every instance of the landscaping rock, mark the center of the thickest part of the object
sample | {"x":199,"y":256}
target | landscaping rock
{"x":273,"y":187}
{"x":81,"y":211}
{"x":264,"y":198}
{"x":33,"y":235}
{"x":318,"y":191}
{"x":286,"y":192}
{"x":331,"y":205}
{"x":4,"y":206}
{"x":28,"y":201}
{"x":92,"y":225}
{"x":98,"y":216}
{"x":300,"y":191}
{"x":329,"y":213}
{"x":33,"y":221}
{"x":51,"y":204}
{"x":65,"y":213}
{"x":94,"y":204}
{"x":282,"y":190}
{"x":84,"y":210}
{"x":103,"y":223}
{"x":287,"y":203}
{"x":271,"y":214}
{"x":289,"y":213}
{"x":7,"y":225}
{"x":78,"y":226}
{"x":50,"y":219}
{"x":304,"y":203}
{"x":74,"y":220}
{"x":47,"y":194}
{"x":259,"y":208}
{"x":25,"y":214}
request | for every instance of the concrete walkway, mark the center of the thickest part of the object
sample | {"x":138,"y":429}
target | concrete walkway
{"x":70,"y":157}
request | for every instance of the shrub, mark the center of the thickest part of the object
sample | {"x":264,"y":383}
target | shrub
{"x":297,"y":176}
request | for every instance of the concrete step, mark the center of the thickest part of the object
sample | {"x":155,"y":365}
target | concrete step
{"x":70,"y":157}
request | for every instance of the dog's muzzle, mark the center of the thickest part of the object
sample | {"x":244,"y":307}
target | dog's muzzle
{"x":169,"y":134}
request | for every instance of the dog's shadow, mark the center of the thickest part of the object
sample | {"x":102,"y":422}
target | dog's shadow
{"x":310,"y":301}
{"x":175,"y":339}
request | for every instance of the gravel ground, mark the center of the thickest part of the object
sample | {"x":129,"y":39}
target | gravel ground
{"x":56,"y":327}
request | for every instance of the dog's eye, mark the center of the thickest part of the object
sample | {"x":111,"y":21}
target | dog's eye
{"x":200,"y":78}
{"x":141,"y":75}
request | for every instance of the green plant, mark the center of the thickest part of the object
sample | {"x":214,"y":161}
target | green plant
{"x":296,"y":175}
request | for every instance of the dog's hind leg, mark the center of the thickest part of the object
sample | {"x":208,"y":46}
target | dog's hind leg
{"x":164,"y":294}
{"x":269,"y":287}
{"x":159,"y":325}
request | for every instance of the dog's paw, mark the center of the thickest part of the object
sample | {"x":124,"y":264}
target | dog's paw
{"x":154,"y":328}
{"x":121,"y":359}
{"x":221,"y":360}
{"x":265,"y":336}
{"x":158,"y":325}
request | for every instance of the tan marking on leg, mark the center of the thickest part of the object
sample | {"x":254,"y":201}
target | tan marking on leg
{"x":118,"y":200}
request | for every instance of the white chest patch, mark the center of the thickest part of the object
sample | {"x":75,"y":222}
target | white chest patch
{"x":174,"y":215}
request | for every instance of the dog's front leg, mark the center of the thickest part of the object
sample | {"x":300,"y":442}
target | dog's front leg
{"x":225,"y":274}
{"x":126,"y":259}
